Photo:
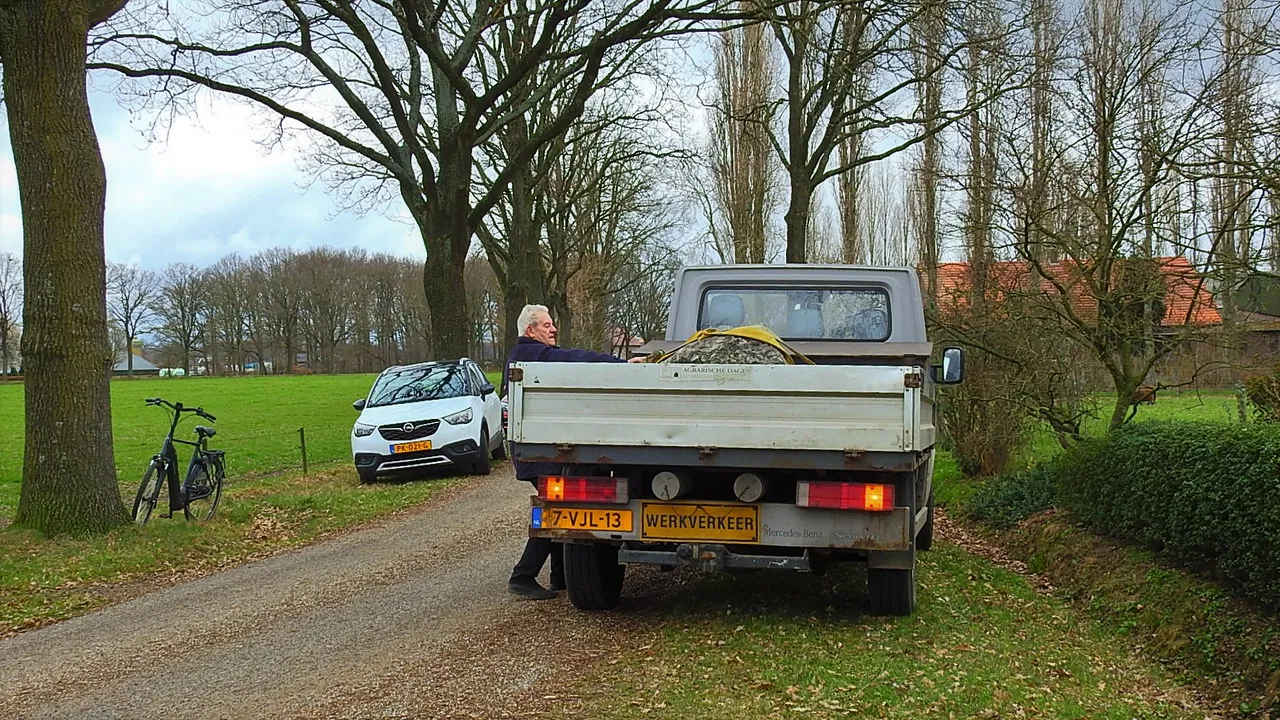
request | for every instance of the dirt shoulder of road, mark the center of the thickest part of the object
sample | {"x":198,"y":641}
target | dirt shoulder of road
{"x":44,"y":581}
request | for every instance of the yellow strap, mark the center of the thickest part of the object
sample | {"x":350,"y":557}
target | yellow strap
{"x":753,"y":332}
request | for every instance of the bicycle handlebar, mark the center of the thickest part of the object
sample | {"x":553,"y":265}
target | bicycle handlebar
{"x":179,"y":409}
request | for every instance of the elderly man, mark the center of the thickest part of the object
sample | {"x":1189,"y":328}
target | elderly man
{"x":537,"y":343}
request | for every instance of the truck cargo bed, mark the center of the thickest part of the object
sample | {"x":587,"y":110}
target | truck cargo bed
{"x":843,"y":409}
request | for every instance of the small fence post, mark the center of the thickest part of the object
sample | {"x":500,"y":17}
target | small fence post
{"x":302,"y":437}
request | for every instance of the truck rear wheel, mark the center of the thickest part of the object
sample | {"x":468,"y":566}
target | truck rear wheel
{"x":592,"y":576}
{"x":892,"y":591}
{"x":924,"y":540}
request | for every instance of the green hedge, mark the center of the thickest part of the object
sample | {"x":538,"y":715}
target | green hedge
{"x":1263,"y":394}
{"x":1208,"y":494}
{"x":1007,"y":500}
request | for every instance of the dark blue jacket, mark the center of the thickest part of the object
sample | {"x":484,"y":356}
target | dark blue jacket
{"x":529,"y":350}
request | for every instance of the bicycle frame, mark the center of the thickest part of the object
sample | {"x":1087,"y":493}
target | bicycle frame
{"x":168,"y":458}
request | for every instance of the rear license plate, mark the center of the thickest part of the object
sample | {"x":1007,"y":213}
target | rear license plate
{"x":411,"y":447}
{"x":594,"y":519}
{"x":700,"y":521}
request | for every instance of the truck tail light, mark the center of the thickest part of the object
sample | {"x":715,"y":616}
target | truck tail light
{"x":583,"y":489}
{"x":844,"y":495}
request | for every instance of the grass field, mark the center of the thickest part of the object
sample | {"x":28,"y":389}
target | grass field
{"x":267,"y":505}
{"x":952,"y":488}
{"x":982,"y":644}
{"x":1216,"y":406}
{"x":258,"y":421}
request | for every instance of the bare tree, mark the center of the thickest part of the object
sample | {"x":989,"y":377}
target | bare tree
{"x":1110,"y":168}
{"x":282,"y":305}
{"x":68,"y":472}
{"x":229,"y":299}
{"x":180,"y":311}
{"x":131,"y":294}
{"x":602,"y":203}
{"x":850,"y":66}
{"x":418,"y":94}
{"x":929,"y":32}
{"x":639,"y":308}
{"x":326,"y":284}
{"x":10,"y":310}
{"x":485,"y":305}
{"x":743,"y":169}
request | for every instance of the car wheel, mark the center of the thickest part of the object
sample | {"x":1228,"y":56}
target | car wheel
{"x":367,"y":476}
{"x":481,"y":465}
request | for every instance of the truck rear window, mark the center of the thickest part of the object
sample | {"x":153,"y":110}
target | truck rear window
{"x":800,"y":313}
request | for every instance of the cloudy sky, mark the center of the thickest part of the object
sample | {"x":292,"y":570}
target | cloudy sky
{"x":209,"y":191}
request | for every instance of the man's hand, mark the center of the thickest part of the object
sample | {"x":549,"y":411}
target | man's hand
{"x":636,"y":360}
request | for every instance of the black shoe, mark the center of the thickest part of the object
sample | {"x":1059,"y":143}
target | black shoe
{"x":557,"y":584}
{"x":530,"y":589}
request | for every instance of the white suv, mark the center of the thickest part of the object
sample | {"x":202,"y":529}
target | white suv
{"x":428,"y":415}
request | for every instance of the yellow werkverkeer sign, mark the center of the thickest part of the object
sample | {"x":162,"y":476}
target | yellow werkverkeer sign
{"x":722,"y":522}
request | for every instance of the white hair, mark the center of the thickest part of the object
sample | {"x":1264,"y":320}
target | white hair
{"x":529,"y":316}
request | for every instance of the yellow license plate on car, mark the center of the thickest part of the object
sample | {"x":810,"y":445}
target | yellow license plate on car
{"x":411,"y":447}
{"x":594,"y":519}
{"x":725,"y":522}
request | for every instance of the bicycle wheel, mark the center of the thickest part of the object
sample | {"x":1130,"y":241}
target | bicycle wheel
{"x":148,"y":493}
{"x":203,"y":489}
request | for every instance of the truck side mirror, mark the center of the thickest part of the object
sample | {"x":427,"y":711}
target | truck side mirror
{"x":951,"y":371}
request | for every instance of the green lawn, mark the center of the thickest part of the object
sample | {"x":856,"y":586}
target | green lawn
{"x":982,"y":644}
{"x":258,"y":421}
{"x":1205,"y":406}
{"x":267,"y":504}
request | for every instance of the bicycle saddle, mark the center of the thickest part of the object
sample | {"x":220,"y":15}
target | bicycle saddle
{"x":203,"y":431}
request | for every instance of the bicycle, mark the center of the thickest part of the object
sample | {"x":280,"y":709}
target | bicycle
{"x":203,"y":482}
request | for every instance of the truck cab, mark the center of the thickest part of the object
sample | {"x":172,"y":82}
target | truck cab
{"x":789,"y":467}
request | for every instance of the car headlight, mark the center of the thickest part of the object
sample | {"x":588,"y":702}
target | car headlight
{"x":363,"y":430}
{"x":459,"y":418}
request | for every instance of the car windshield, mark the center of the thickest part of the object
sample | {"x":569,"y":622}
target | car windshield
{"x":801,"y":313}
{"x":423,"y":382}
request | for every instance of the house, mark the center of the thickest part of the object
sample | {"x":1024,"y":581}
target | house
{"x":1257,"y":303}
{"x":141,"y":366}
{"x":621,"y":343}
{"x":1187,"y":298}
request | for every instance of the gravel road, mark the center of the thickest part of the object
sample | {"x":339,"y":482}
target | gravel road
{"x":409,"y":618}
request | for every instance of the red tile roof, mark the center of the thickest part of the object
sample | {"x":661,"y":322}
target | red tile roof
{"x":1187,"y":301}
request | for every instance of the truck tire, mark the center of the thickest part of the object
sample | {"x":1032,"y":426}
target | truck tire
{"x":924,"y":540}
{"x":892,"y":591}
{"x":592,"y":576}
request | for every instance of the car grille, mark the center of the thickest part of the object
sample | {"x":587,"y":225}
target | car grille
{"x":419,"y":429}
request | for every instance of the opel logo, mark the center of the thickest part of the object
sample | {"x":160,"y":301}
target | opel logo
{"x":408,"y":427}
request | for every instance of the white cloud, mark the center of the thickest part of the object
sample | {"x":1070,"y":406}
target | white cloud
{"x":209,"y":189}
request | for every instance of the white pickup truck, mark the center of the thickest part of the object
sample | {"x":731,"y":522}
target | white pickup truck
{"x":790,"y":467}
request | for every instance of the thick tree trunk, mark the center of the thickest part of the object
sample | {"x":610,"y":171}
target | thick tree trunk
{"x":797,"y":218}
{"x":69,"y":473}
{"x":4,"y":350}
{"x":801,"y":193}
{"x":447,"y":300}
{"x":524,"y":277}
